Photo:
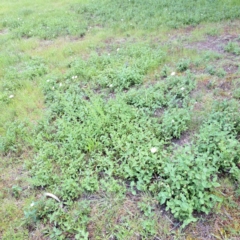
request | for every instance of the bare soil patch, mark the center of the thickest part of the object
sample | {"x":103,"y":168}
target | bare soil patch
{"x":227,"y":33}
{"x":3,"y":32}
{"x":212,"y":43}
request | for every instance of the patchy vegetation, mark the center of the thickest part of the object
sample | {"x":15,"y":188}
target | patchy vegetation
{"x":119,"y":120}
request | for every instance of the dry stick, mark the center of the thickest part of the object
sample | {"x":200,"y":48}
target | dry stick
{"x":54,"y":197}
{"x":227,"y":214}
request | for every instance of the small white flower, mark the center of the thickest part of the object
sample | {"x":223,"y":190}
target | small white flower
{"x":53,"y":88}
{"x":75,"y":77}
{"x":11,"y":96}
{"x":182,"y":88}
{"x":173,"y":121}
{"x":60,"y":84}
{"x":110,"y":85}
{"x":118,"y":49}
{"x":173,"y":73}
{"x":121,"y":19}
{"x":48,"y":80}
{"x":109,"y":54}
{"x":32,"y":204}
{"x":153,"y":150}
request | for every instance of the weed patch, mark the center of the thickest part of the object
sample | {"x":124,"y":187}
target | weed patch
{"x":157,"y":13}
{"x":93,"y":98}
{"x":216,"y":151}
{"x":232,"y":47}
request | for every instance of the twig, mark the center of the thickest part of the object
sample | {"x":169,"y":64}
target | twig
{"x":54,"y":197}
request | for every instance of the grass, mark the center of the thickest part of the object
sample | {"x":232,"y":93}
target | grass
{"x":126,"y":111}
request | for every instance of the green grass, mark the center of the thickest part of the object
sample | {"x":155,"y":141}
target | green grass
{"x":126,"y":112}
{"x":151,"y":15}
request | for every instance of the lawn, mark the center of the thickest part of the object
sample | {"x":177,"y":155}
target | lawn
{"x":119,"y":119}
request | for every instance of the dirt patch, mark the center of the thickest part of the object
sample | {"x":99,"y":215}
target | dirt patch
{"x":111,"y":41}
{"x":225,"y":85}
{"x":203,"y":229}
{"x":121,"y":210}
{"x":3,"y":32}
{"x":212,"y":43}
{"x":219,"y":225}
{"x":45,"y":43}
{"x":178,"y":34}
{"x":183,"y":140}
{"x":230,"y":68}
{"x":158,"y":112}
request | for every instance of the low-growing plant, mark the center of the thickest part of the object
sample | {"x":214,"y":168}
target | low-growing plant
{"x":173,"y":15}
{"x":121,"y":79}
{"x":16,"y":138}
{"x":183,"y":65}
{"x":47,"y":25}
{"x":165,"y":72}
{"x":211,"y":70}
{"x":221,"y":73}
{"x":111,"y":112}
{"x":211,"y":84}
{"x":71,"y":220}
{"x":174,"y":122}
{"x":232,"y":47}
{"x":117,"y":70}
{"x":173,"y":92}
{"x":16,"y":191}
{"x":178,"y":89}
{"x":184,"y":189}
{"x":18,"y":76}
{"x":216,"y":150}
{"x":213,"y":32}
{"x":236,"y":93}
{"x":148,"y":99}
{"x":88,"y":138}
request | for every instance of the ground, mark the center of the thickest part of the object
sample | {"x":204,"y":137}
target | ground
{"x":96,"y":106}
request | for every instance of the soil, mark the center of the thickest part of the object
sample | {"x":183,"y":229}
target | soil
{"x":212,"y":43}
